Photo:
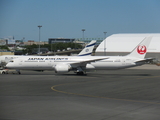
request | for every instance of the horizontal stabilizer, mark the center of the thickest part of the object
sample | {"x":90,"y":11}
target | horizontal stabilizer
{"x":145,"y":60}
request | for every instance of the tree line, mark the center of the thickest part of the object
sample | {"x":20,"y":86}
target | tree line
{"x":51,"y":47}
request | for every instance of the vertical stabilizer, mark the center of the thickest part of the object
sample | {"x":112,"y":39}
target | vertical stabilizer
{"x":87,"y":51}
{"x":141,"y":50}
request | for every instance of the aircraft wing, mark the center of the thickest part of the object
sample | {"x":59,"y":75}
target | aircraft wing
{"x":145,"y":60}
{"x":83,"y":63}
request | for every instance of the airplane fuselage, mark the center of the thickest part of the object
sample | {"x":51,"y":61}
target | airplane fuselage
{"x":49,"y":63}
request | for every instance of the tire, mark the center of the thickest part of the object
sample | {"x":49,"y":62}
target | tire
{"x":80,"y":73}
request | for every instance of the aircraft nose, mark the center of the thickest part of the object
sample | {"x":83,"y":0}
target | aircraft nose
{"x":9,"y":65}
{"x":6,"y":66}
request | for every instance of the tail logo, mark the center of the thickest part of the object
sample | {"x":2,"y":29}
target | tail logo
{"x":87,"y":50}
{"x":141,"y":49}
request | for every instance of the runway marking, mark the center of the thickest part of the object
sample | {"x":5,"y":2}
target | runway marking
{"x":53,"y":88}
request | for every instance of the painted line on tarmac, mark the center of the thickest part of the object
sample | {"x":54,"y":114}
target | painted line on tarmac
{"x":53,"y":88}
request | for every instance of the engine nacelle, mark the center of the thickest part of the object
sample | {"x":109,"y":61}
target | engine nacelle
{"x":62,"y":68}
{"x":90,"y":67}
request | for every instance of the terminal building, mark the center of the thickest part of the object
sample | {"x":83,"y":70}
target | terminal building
{"x":82,"y":41}
{"x":123,"y":44}
{"x":56,"y":40}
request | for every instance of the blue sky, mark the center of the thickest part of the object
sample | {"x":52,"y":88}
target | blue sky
{"x":66,"y":18}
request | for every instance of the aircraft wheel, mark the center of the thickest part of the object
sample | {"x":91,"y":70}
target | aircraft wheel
{"x":80,"y":73}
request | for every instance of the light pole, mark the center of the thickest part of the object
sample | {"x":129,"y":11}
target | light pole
{"x":39,"y":38}
{"x":83,"y":34}
{"x":105,"y":43}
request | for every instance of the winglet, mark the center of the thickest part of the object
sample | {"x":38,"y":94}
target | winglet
{"x":87,"y":51}
{"x":141,"y":50}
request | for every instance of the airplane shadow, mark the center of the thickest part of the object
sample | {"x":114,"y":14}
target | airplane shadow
{"x":99,"y":75}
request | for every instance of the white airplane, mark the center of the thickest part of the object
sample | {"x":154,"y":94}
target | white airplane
{"x":79,"y":64}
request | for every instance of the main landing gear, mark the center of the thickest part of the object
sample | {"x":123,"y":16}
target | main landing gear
{"x":80,"y":71}
{"x":18,"y":71}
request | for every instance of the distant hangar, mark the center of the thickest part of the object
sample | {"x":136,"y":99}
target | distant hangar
{"x":123,"y":44}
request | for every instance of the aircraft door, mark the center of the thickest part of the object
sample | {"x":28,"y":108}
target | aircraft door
{"x":20,"y":62}
{"x":123,"y":61}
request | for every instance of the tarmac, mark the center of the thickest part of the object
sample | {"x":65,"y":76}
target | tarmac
{"x":128,"y":94}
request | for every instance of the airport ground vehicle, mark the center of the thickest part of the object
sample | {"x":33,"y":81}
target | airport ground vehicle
{"x":3,"y":71}
{"x":7,"y":71}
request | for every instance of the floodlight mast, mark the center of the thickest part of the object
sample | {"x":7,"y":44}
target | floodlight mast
{"x":39,"y":38}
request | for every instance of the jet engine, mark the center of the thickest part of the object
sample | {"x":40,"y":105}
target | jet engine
{"x":62,"y":68}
